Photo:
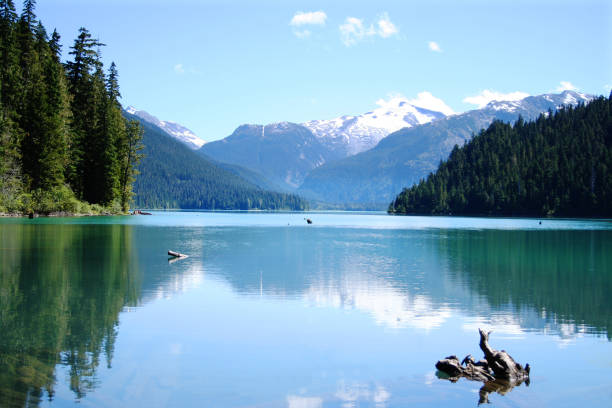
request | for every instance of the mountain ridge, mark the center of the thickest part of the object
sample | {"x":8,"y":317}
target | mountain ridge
{"x":282,"y":152}
{"x":354,"y":134}
{"x":176,"y":130}
{"x":404,"y":157}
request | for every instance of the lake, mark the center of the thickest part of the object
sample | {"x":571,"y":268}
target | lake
{"x":267,"y":311}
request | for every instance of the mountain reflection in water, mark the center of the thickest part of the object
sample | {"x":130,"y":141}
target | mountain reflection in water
{"x":549,"y":281}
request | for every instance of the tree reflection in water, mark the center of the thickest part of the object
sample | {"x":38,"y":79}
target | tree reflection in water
{"x":60,"y":298}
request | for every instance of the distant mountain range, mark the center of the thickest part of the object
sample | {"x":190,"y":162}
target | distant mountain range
{"x":360,"y":161}
{"x":376,"y":176}
{"x":179,"y":132}
{"x":285,"y":153}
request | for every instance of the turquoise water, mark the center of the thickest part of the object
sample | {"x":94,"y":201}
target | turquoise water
{"x":267,"y":311}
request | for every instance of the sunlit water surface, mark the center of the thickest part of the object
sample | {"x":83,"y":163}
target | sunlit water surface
{"x":267,"y":311}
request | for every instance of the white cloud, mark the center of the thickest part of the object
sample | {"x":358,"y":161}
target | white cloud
{"x":302,"y":33}
{"x":486,"y":96}
{"x":354,"y":30}
{"x":566,"y":86}
{"x":427,"y":101}
{"x":434,"y":46}
{"x":179,"y":69}
{"x":313,"y":17}
{"x":296,"y":401}
{"x":385,"y":27}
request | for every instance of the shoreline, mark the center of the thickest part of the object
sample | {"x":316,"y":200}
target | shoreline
{"x":56,"y":214}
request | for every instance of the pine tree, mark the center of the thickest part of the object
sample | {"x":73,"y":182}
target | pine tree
{"x":32,"y":102}
{"x":84,"y":111}
{"x":54,"y":141}
{"x":61,"y":127}
{"x":10,"y":170}
{"x":129,"y":156}
{"x":9,"y":60}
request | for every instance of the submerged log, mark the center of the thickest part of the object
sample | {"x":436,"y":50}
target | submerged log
{"x":176,"y":254}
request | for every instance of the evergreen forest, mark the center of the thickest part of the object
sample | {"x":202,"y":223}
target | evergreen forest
{"x":557,"y":165}
{"x":64,"y":143}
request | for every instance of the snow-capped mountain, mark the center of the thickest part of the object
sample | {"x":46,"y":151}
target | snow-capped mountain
{"x":532,"y":106}
{"x":355,"y":134}
{"x":179,"y":132}
{"x":282,"y":152}
{"x":410,"y":154}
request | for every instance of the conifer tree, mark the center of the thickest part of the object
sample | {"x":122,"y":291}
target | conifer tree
{"x":84,"y":110}
{"x":54,"y":141}
{"x":9,"y":59}
{"x":129,"y":149}
{"x":61,"y":127}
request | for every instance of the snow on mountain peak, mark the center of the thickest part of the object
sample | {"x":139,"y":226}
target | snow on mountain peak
{"x":131,"y":110}
{"x":567,"y":97}
{"x":356,"y":134}
{"x":177,"y":131}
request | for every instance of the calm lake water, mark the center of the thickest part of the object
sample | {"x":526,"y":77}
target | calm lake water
{"x":351,"y":311}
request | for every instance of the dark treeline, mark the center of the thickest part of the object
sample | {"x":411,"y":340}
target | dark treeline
{"x":174,"y":176}
{"x":63,"y":140}
{"x":558,"y":165}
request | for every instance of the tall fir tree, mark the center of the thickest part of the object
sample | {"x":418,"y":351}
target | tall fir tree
{"x":9,"y":60}
{"x":129,"y":149}
{"x":61,"y":126}
{"x":84,"y":110}
{"x":54,"y":153}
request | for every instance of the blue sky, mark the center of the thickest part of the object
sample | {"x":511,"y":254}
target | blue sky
{"x":213,"y":65}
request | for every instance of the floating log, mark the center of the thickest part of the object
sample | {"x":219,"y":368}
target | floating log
{"x":499,"y":372}
{"x":138,"y":212}
{"x":308,"y":220}
{"x":176,"y":254}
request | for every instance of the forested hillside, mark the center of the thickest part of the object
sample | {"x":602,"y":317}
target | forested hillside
{"x":557,"y":165}
{"x":173,"y":176}
{"x":63,"y":140}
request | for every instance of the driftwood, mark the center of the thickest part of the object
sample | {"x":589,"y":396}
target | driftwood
{"x":175,"y":256}
{"x":138,"y":212}
{"x":468,"y":368}
{"x":498,"y":370}
{"x":308,"y":220}
{"x":504,"y":367}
